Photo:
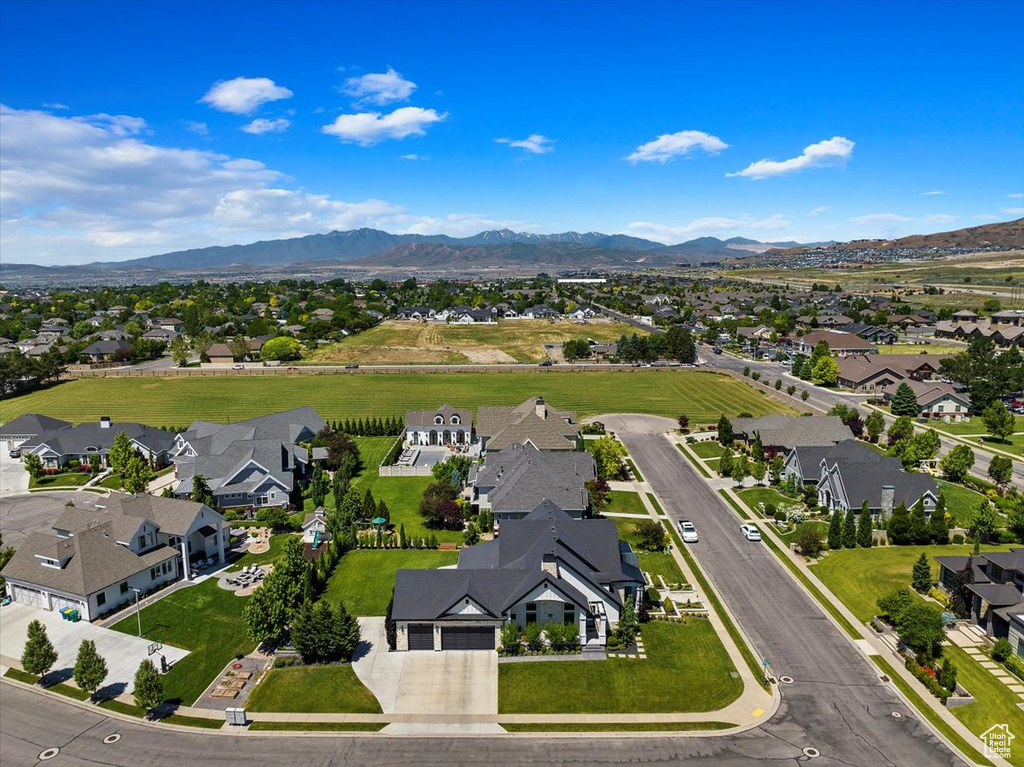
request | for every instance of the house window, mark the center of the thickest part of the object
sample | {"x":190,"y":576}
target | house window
{"x":531,"y":612}
{"x":568,"y":613}
{"x":101,"y":599}
{"x":438,"y":420}
{"x":124,"y":587}
{"x":1020,"y":648}
{"x":153,"y":573}
{"x":142,"y":541}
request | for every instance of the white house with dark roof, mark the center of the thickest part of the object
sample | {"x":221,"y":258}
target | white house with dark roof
{"x":94,"y":557}
{"x":997,"y":590}
{"x":23,"y":428}
{"x":445,"y":425}
{"x":545,"y":568}
{"x":58,"y":446}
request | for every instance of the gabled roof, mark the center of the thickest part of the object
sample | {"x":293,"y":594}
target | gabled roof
{"x":425,"y":418}
{"x":87,"y":437}
{"x":533,"y":421}
{"x":863,"y":473}
{"x":793,"y":431}
{"x":31,"y":424}
{"x":521,"y":476}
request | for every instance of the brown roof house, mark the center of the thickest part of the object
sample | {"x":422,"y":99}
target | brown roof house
{"x":533,"y":422}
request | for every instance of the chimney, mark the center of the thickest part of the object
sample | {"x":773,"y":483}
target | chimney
{"x":548,"y":565}
{"x":888,"y":496}
{"x":542,"y":411}
{"x":105,"y":422}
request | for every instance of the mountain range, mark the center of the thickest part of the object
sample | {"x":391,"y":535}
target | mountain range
{"x":1003,"y":234}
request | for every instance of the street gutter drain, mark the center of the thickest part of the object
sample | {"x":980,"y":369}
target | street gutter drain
{"x":112,"y":738}
{"x":786,"y":679}
{"x":811,"y":753}
{"x":49,"y":753}
{"x":896,"y":715}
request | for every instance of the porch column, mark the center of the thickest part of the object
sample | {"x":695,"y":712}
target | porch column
{"x":186,"y":566}
{"x":220,"y":542}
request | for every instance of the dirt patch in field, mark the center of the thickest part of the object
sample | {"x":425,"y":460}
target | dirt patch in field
{"x":488,"y":356}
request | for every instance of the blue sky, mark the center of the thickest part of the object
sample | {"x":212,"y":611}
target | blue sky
{"x":137,"y":128}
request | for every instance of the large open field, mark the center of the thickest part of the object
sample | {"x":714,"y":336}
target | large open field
{"x":177,"y":401}
{"x":435,"y":343}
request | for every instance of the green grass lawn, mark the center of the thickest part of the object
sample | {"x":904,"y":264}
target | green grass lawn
{"x":860,"y":576}
{"x":313,"y":689}
{"x":687,"y":669}
{"x":618,"y":727}
{"x":372,"y":450}
{"x":625,"y":502}
{"x":268,"y":556}
{"x":654,"y":562}
{"x":994,"y":703}
{"x":790,"y":536}
{"x":364,"y":579}
{"x":975,"y":429}
{"x":961,"y":502}
{"x":205,"y":619}
{"x":318,"y":726}
{"x":755,"y":495}
{"x":67,"y":479}
{"x":177,"y":401}
{"x":707,"y":449}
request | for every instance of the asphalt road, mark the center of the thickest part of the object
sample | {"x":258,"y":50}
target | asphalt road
{"x":837,"y":704}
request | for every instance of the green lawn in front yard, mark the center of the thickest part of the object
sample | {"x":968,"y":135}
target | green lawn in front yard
{"x":962,"y":502}
{"x":860,"y":576}
{"x":993,"y":701}
{"x":790,"y":535}
{"x":625,"y":502}
{"x":65,"y":479}
{"x":707,"y":449}
{"x":267,"y":557}
{"x":764,"y":495}
{"x":364,"y":579}
{"x":204,"y":619}
{"x":687,"y":669}
{"x":654,"y":562}
{"x":314,"y":690}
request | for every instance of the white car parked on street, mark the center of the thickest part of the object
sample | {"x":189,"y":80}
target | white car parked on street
{"x":688,"y":531}
{"x":750,"y":532}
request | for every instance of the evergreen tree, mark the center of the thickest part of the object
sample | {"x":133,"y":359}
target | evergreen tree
{"x":918,"y":525}
{"x":90,"y":668}
{"x":402,"y":542}
{"x":921,"y":578}
{"x":850,"y":529}
{"x":136,"y":474}
{"x":120,"y":452}
{"x":725,"y":433}
{"x":864,"y":527}
{"x":938,"y":525}
{"x":369,"y":509}
{"x":149,"y":687}
{"x":757,"y":449}
{"x":898,"y":526}
{"x":383,"y":510}
{"x":904,"y":401}
{"x":835,"y":530}
{"x":38,"y":656}
{"x":962,"y":598}
{"x":947,"y":675}
{"x":875,"y":425}
{"x":725,"y":463}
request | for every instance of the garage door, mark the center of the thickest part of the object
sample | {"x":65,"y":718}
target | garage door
{"x":467,"y":638}
{"x":28,"y":596}
{"x":421,"y":636}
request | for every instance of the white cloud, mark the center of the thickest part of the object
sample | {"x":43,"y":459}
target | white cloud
{"x":831,"y":152}
{"x":881,"y":218}
{"x":259,"y":126}
{"x":668,"y":146}
{"x":702,"y":227}
{"x":379,"y":88}
{"x":200,"y":129}
{"x":368,"y":128}
{"x":535,"y":143}
{"x":1013,"y":211}
{"x":77,"y":189}
{"x":244,"y":95}
{"x":985,"y":217}
{"x":1016,"y":195}
{"x":941,"y":218}
{"x":56,"y":105}
{"x":931,"y":194}
{"x":819,"y":210}
{"x":412,"y":157}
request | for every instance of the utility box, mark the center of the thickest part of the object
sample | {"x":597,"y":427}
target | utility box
{"x":235,"y":716}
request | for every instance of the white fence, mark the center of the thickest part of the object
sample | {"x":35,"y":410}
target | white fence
{"x":404,"y":471}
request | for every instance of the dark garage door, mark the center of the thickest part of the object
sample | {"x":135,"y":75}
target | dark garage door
{"x":421,"y":636}
{"x":467,"y":638}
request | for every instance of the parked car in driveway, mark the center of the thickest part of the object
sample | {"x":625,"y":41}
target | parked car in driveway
{"x":15,"y":452}
{"x":750,"y":532}
{"x":688,"y":531}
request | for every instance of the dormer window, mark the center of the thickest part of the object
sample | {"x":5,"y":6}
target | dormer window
{"x":438,"y":420}
{"x":456,"y":420}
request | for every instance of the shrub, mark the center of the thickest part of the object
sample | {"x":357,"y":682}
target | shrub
{"x":940,"y":596}
{"x":533,"y":636}
{"x":1015,"y":666}
{"x":927,"y":679}
{"x":1002,"y":650}
{"x":893,"y":604}
{"x":555,"y":633}
{"x":510,"y":639}
{"x":780,"y":516}
{"x":958,"y":539}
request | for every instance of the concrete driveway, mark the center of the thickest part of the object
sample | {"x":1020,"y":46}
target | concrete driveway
{"x":122,"y":652}
{"x":36,"y":512}
{"x":634,"y":423}
{"x":13,"y":477}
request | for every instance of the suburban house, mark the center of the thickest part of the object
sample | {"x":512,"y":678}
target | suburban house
{"x":102,"y":351}
{"x":545,"y":568}
{"x":256,"y":463}
{"x":757,"y":333}
{"x":998,"y":590}
{"x":870,"y":372}
{"x":79,"y":443}
{"x":533,"y":422}
{"x":783,"y":432}
{"x":221,"y":354}
{"x":95,"y":557}
{"x":444,"y":426}
{"x":872,"y":333}
{"x":935,"y":398}
{"x":25,"y":427}
{"x":415,"y":313}
{"x":516,"y":479}
{"x":851,"y":472}
{"x":840,"y":344}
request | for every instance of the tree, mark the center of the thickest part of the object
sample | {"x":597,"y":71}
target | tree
{"x":757,"y":449}
{"x":90,"y":668}
{"x":679,"y":345}
{"x":961,"y":597}
{"x":38,"y":656}
{"x":149,"y":687}
{"x":281,"y":348}
{"x":120,"y":452}
{"x":918,"y":525}
{"x":984,"y":521}
{"x":904,"y":401}
{"x":835,"y":530}
{"x":894,"y":604}
{"x":201,"y":492}
{"x":318,"y":486}
{"x":900,"y":429}
{"x":864,"y":527}
{"x":775,"y":469}
{"x":850,"y":529}
{"x":810,"y":539}
{"x":240,"y":348}
{"x":827,"y":371}
{"x":875,"y":424}
{"x":684,"y":423}
{"x":608,"y":457}
{"x":947,"y":675}
{"x":324,"y":634}
{"x":438,"y":507}
{"x":725,"y":463}
{"x":266,"y":611}
{"x":179,"y":352}
{"x":725,"y":433}
{"x":136,"y":474}
{"x":921,"y":578}
{"x":34,"y":466}
{"x":1014,"y":521}
{"x":998,"y":420}
{"x":956,"y":463}
{"x":898,"y":526}
{"x":804,"y":395}
{"x":757,"y":471}
{"x":629,"y":624}
{"x":1000,"y":469}
{"x":922,"y":629}
{"x":938,"y":525}
{"x":739,"y":470}
{"x":650,"y":535}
